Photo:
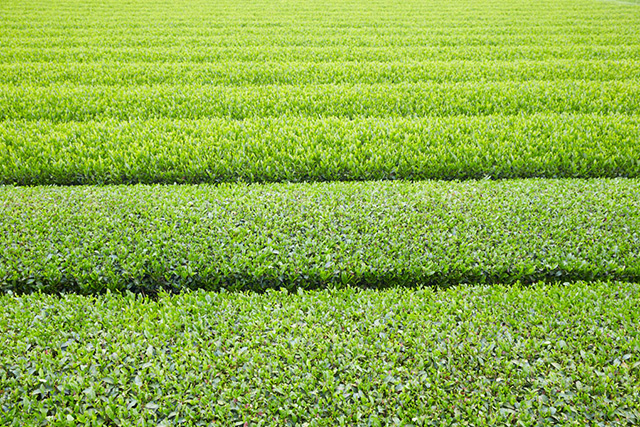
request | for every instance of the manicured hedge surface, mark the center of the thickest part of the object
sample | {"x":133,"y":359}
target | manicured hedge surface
{"x":62,"y":103}
{"x":305,"y":72}
{"x":316,"y":54}
{"x":312,"y":149}
{"x":482,"y":356}
{"x":259,"y":91}
{"x":256,"y":91}
{"x":374,"y":234}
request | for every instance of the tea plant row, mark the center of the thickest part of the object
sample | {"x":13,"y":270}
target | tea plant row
{"x":375,"y":234}
{"x":319,"y":149}
{"x":483,"y":355}
{"x":306,"y":73}
{"x":79,"y":103}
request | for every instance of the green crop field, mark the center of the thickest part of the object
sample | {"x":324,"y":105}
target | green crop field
{"x":303,"y":212}
{"x":271,"y":91}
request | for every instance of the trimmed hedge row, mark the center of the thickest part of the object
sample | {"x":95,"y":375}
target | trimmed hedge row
{"x":303,"y":73}
{"x":214,"y":54}
{"x":374,"y":234}
{"x":307,"y":149}
{"x":483,"y":356}
{"x":61,"y":103}
{"x":320,"y":37}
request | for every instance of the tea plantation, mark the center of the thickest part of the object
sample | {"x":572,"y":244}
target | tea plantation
{"x":319,"y":213}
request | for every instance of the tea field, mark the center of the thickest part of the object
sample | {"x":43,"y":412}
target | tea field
{"x":270,"y":91}
{"x":303,"y":212}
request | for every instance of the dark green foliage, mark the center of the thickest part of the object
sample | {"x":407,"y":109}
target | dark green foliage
{"x":376,"y":234}
{"x":479,"y":356}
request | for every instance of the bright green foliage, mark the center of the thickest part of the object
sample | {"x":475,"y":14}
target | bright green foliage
{"x":306,"y":72}
{"x":61,"y":103}
{"x":480,"y":356}
{"x":250,"y":92}
{"x":80,"y":103}
{"x":375,"y":234}
{"x":328,"y":149}
{"x":272,"y":91}
{"x":328,"y":54}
